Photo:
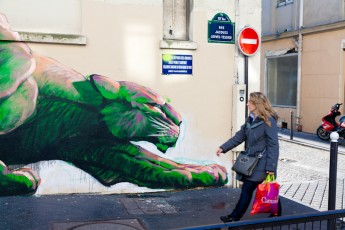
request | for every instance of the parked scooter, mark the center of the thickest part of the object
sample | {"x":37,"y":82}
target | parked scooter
{"x":329,"y":124}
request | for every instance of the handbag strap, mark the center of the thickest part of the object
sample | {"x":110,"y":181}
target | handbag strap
{"x":261,"y":153}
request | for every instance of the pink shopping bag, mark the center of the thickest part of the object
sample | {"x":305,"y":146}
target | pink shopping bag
{"x":266,"y":197}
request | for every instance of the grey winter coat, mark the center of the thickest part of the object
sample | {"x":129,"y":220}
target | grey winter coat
{"x":258,"y":136}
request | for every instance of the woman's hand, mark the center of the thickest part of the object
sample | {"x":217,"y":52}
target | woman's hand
{"x":270,"y":173}
{"x":219,"y":151}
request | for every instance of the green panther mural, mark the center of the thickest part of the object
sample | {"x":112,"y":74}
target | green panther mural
{"x":51,"y":112}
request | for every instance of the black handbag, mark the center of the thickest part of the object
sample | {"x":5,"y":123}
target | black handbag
{"x":245,"y":164}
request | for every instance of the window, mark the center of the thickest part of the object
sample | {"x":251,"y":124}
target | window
{"x":176,"y":24}
{"x":283,"y":2}
{"x":282,"y":80}
{"x":176,"y":19}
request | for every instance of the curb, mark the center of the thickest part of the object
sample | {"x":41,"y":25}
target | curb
{"x":308,"y":145}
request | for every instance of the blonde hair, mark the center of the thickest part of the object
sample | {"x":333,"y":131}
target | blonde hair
{"x":263,"y":106}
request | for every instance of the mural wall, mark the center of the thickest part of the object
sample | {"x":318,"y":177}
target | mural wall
{"x":49,"y":111}
{"x":109,"y":62}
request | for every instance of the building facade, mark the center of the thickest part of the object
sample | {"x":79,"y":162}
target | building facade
{"x":165,"y":45}
{"x":302,"y":59}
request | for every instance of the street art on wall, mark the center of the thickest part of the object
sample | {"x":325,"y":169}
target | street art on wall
{"x":49,"y":111}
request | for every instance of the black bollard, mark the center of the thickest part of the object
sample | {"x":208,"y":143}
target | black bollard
{"x":332,"y":185}
{"x":291,"y":128}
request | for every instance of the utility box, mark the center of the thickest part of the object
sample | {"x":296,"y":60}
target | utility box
{"x":238,"y":119}
{"x":238,"y":110}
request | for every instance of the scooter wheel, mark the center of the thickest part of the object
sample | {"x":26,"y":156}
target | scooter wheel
{"x":322,"y":133}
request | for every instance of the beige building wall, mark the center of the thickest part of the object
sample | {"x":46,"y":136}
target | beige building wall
{"x":322,"y":81}
{"x":123,"y":43}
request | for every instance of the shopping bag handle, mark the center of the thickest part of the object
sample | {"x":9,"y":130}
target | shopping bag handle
{"x":270,"y":178}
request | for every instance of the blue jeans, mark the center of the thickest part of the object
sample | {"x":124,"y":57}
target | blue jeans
{"x":248,"y":188}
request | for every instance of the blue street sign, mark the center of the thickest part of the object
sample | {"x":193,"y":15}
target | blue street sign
{"x":177,"y":64}
{"x":221,"y":29}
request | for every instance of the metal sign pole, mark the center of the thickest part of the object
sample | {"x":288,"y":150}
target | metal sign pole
{"x":248,"y":42}
{"x":246,"y":82}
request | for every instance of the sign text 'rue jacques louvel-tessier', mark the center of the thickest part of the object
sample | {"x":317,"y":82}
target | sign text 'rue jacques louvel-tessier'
{"x":221,"y":29}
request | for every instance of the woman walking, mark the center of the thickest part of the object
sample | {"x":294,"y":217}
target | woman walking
{"x":260,"y":133}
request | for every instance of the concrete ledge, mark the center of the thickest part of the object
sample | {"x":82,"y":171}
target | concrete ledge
{"x":175,"y":44}
{"x":53,"y":38}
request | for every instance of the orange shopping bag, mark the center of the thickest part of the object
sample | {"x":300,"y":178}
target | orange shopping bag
{"x":266,"y":197}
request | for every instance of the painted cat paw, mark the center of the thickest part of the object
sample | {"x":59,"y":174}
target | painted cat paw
{"x":23,"y":181}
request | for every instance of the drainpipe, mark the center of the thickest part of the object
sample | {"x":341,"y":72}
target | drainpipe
{"x":299,"y":68}
{"x":237,"y":19}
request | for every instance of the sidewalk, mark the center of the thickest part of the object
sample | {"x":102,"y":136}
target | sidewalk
{"x":312,"y":193}
{"x":163,"y":210}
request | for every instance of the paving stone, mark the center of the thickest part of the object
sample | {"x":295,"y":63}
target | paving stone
{"x":315,"y":194}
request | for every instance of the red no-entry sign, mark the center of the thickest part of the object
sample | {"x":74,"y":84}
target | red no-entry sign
{"x":248,"y":41}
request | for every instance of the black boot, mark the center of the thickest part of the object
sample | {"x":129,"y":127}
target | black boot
{"x":228,"y":218}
